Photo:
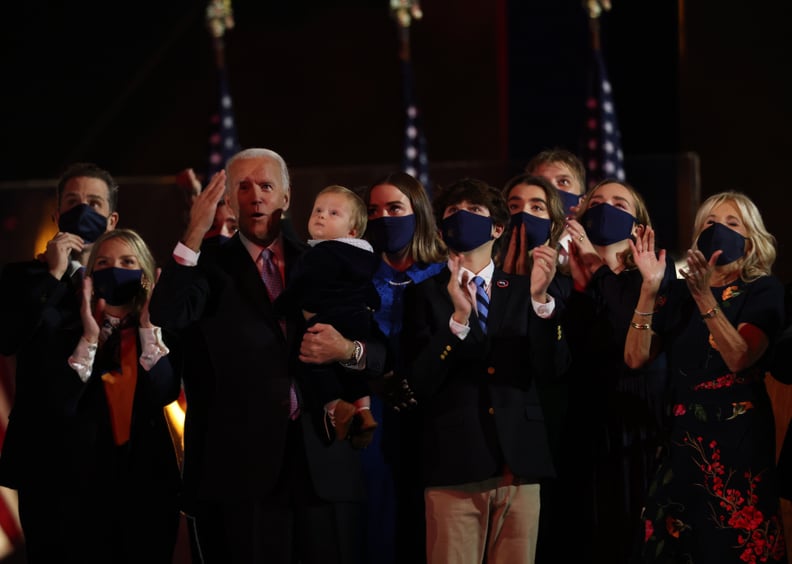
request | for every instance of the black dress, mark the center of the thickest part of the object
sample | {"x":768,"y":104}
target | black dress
{"x":614,"y":421}
{"x":715,"y":499}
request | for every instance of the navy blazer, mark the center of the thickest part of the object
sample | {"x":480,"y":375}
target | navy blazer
{"x":480,"y":397}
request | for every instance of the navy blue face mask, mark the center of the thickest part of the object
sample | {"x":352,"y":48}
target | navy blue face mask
{"x":568,"y":199}
{"x":390,"y":234}
{"x":537,"y":229}
{"x":118,"y":286}
{"x":465,"y":231}
{"x":719,"y":237}
{"x":84,"y":221}
{"x":606,"y":224}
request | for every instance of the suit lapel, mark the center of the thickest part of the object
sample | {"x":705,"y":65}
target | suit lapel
{"x":500,"y":296}
{"x":236,"y":261}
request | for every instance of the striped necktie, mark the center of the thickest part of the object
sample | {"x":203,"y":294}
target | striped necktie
{"x":270,"y":274}
{"x":482,"y":302}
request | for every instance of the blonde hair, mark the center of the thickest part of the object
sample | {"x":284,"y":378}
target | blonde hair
{"x":139,"y":249}
{"x":760,"y":253}
{"x":641,"y":211}
{"x":359,"y":215}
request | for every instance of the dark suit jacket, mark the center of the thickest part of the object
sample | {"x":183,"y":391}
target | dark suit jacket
{"x":479,"y":396}
{"x":237,"y":369}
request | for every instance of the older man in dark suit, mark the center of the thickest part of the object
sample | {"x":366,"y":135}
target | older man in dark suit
{"x":260,"y":483}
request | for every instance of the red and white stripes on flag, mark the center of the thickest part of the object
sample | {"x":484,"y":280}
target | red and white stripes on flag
{"x":415,"y":160}
{"x":602,"y":150}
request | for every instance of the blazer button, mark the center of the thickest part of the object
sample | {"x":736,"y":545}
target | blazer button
{"x":490,"y":370}
{"x":491,"y":411}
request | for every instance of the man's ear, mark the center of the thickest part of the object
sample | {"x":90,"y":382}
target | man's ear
{"x":112,"y":221}
{"x":497,"y":231}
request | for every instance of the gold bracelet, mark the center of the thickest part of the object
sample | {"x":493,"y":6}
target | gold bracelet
{"x":644,"y":313}
{"x":711,"y":312}
{"x":641,"y":326}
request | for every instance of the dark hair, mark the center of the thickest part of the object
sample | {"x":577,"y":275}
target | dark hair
{"x":90,"y":170}
{"x":476,"y":192}
{"x":426,"y":246}
{"x":555,"y":207}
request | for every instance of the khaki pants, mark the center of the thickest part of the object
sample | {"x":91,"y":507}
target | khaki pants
{"x":498,"y":515}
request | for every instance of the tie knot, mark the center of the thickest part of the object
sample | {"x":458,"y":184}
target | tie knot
{"x":266,"y":255}
{"x":479,"y":281}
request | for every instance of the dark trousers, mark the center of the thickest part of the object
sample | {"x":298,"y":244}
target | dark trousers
{"x":291,"y":525}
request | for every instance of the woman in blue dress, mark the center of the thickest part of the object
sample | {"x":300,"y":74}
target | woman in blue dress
{"x":401,"y":227}
{"x":714,"y":499}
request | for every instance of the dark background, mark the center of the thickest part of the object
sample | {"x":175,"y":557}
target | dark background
{"x":701,"y":90}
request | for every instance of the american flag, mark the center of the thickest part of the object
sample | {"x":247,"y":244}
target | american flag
{"x":223,"y":141}
{"x":415,"y":161}
{"x":602,"y":151}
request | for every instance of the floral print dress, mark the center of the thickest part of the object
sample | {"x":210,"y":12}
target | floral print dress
{"x":714,"y":498}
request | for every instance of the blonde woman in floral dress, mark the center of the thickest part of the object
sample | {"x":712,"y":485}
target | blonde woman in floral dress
{"x":714,"y":499}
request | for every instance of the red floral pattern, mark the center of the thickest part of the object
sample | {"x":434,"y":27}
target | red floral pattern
{"x":733,"y":505}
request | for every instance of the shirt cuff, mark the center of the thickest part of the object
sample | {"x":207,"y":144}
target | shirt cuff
{"x":82,"y":359}
{"x":184,"y":255}
{"x":152,"y":346}
{"x":458,"y":329}
{"x":545,"y":311}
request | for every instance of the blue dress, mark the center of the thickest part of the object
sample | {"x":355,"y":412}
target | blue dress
{"x":395,"y":530}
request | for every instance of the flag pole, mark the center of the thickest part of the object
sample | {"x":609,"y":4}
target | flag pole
{"x":219,"y":19}
{"x":414,"y":159}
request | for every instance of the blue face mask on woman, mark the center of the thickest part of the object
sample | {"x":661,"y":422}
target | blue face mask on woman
{"x":537,"y":229}
{"x":390,"y":234}
{"x":465,"y":231}
{"x":118,"y":286}
{"x":84,"y":221}
{"x":719,"y":237}
{"x":606,"y":224}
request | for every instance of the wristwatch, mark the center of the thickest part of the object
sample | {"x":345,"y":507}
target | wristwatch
{"x":354,"y":358}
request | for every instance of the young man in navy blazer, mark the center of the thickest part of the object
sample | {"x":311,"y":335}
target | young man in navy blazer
{"x":476,"y":366}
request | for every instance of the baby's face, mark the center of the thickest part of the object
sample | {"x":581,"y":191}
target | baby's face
{"x":331,"y":217}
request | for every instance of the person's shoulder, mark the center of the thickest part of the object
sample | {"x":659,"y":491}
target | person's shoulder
{"x":23,"y":268}
{"x":769,"y":283}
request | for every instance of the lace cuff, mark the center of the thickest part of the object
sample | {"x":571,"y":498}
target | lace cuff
{"x":82,"y":359}
{"x":152,"y":346}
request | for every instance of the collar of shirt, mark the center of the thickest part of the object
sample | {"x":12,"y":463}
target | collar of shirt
{"x":486,"y":273}
{"x":74,"y":266}
{"x":354,"y":241}
{"x":255,"y":250}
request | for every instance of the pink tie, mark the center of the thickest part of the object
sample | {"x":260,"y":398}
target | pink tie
{"x":270,"y":274}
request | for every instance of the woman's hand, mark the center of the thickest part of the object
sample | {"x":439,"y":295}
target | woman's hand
{"x":698,"y":272}
{"x":650,"y":264}
{"x":91,"y":319}
{"x":543,"y":271}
